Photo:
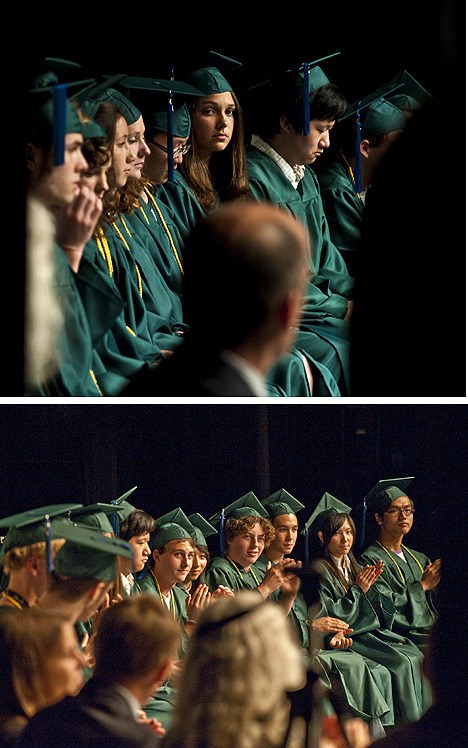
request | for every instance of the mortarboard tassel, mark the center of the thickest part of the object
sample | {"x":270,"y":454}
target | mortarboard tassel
{"x":221,"y":533}
{"x":306,"y":548}
{"x":305,"y":99}
{"x":50,"y":564}
{"x":170,"y":135}
{"x":60,"y":121}
{"x":357,"y":158}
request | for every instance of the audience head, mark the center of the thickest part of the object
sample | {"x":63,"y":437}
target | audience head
{"x":247,"y":648}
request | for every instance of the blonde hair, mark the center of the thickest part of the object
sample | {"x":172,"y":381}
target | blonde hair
{"x":241,"y":660}
{"x":16,"y":558}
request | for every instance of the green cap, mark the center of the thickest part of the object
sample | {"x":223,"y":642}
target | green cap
{"x":29,"y":527}
{"x":49,"y":70}
{"x":247,"y":506}
{"x":281,"y":502}
{"x":206,"y":72}
{"x":202,"y":528}
{"x":411,"y":95}
{"x":152,"y":98}
{"x":95,"y":516}
{"x":384,"y":492}
{"x":122,"y":507}
{"x":377,"y":114}
{"x":174,"y":525}
{"x":87,"y":554}
{"x":327,"y":505}
{"x":92,"y":129}
{"x":91,"y":97}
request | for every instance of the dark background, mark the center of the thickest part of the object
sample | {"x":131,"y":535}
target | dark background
{"x":203,"y":457}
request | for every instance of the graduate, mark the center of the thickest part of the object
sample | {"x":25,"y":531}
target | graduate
{"x":245,"y":531}
{"x":290,"y":131}
{"x":348,"y":591}
{"x":346,"y":172}
{"x":326,"y":641}
{"x":27,"y":553}
{"x":408,"y":578}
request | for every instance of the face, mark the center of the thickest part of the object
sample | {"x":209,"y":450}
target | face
{"x":394,"y":521}
{"x":176,"y":561}
{"x":213,"y":123}
{"x":342,"y":541}
{"x":122,"y":154}
{"x":136,"y":140}
{"x":57,"y":186}
{"x":286,"y":527}
{"x":156,"y":167}
{"x":246,"y":548}
{"x":96,"y":179}
{"x":305,"y":149}
{"x":64,"y":666}
{"x":141,"y":550}
{"x":200,"y":560}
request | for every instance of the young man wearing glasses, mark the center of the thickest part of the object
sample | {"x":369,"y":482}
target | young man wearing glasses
{"x":409,"y":577}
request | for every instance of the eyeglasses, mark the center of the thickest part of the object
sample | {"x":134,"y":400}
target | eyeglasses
{"x":406,"y":510}
{"x":177,"y":151}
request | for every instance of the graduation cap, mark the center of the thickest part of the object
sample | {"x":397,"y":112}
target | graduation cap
{"x":56,"y":66}
{"x":87,"y":554}
{"x":174,"y":525}
{"x":380,"y":496}
{"x":95,"y":516}
{"x":327,"y":506}
{"x":307,"y":77}
{"x":34,"y":526}
{"x":155,"y":98}
{"x":91,"y":97}
{"x":122,"y":509}
{"x":51,"y":111}
{"x":281,"y":502}
{"x":202,"y":528}
{"x":206,"y":72}
{"x":247,"y":506}
{"x":411,"y":95}
{"x":380,"y":116}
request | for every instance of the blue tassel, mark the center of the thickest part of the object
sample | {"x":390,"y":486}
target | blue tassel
{"x":221,"y":533}
{"x":305,"y":99}
{"x":357,"y":157}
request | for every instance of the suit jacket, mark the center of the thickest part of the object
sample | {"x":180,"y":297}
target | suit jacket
{"x":99,"y":716}
{"x":190,"y":372}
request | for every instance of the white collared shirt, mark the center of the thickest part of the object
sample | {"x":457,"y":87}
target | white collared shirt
{"x":252,"y":376}
{"x":293,"y":173}
{"x":343,"y":564}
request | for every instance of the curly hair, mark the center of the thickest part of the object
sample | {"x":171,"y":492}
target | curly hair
{"x":241,"y":661}
{"x":235,"y":527}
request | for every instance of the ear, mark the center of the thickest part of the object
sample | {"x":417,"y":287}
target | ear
{"x":364,"y":148}
{"x":31,"y":157}
{"x":285,"y":124}
{"x":163,"y":672}
{"x":378,"y":519}
{"x":320,"y":534}
{"x":32,"y":565}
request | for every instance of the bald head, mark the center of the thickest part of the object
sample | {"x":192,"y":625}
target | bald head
{"x":242,"y":261}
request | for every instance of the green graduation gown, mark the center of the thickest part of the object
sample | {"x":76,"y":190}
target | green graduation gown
{"x":80,"y":364}
{"x":370,"y":615}
{"x":401,"y":582}
{"x":344,"y":210}
{"x":324,"y":334}
{"x":222,"y":570}
{"x":366,"y":684}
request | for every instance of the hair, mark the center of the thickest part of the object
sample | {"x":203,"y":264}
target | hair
{"x":258,"y":256}
{"x":107,"y":115}
{"x":226,"y":176}
{"x":70,"y":587}
{"x":241,"y":660}
{"x":235,"y":527}
{"x":16,"y":558}
{"x":138,"y":522}
{"x":28,"y":637}
{"x":134,"y":637}
{"x":328,"y":526}
{"x":268,"y":104}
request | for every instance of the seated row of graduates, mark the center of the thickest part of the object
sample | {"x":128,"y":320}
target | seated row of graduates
{"x":362,"y":630}
{"x":119,"y":271}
